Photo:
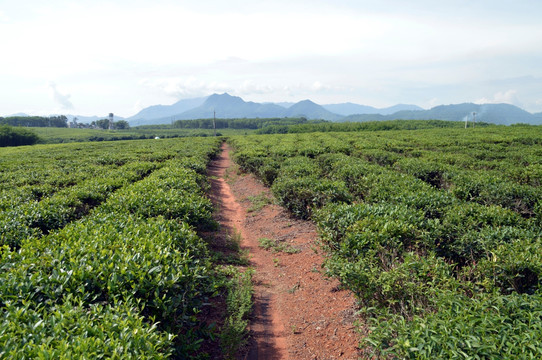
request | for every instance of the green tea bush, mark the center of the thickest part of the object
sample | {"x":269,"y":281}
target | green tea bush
{"x":86,"y":277}
{"x":437,"y":232}
{"x":492,"y":190}
{"x":75,"y":330}
{"x":513,"y":266}
{"x":302,"y":195}
{"x":488,"y":327}
{"x":435,"y":174}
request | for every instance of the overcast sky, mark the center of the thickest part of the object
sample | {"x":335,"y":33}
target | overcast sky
{"x":94,"y":57}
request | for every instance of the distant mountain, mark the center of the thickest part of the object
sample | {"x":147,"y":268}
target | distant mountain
{"x":18,"y":114}
{"x":284,"y":104}
{"x":399,"y":107}
{"x":160,"y":114}
{"x":227,"y":106}
{"x":350,"y":108}
{"x":310,"y":110}
{"x":502,"y":114}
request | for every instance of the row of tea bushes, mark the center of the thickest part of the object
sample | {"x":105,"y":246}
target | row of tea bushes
{"x":415,"y":237}
{"x":44,"y":188}
{"x":128,"y":280}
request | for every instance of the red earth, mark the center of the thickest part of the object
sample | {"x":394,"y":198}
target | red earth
{"x":299,"y":312}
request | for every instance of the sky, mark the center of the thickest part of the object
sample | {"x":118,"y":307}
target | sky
{"x":94,"y":57}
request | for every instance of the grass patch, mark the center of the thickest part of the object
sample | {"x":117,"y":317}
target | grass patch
{"x":232,"y":173}
{"x":258,"y":202}
{"x":234,"y":333}
{"x":277,"y":246}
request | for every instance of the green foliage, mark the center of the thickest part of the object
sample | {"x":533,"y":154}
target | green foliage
{"x":437,"y":232}
{"x":489,"y":327}
{"x":385,"y":125}
{"x":10,"y":136}
{"x":277,"y":246}
{"x":102,"y":259}
{"x":259,"y":201}
{"x":35,"y":121}
{"x":234,"y":333}
{"x":121,"y":125}
{"x":301,"y":195}
{"x":74,"y":330}
{"x":260,"y":123}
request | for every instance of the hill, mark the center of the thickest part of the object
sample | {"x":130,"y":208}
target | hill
{"x":157,"y":114}
{"x":227,"y":106}
{"x":501,"y":114}
{"x":311,"y":110}
{"x":351,"y":108}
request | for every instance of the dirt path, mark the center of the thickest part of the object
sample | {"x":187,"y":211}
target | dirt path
{"x":299,"y":312}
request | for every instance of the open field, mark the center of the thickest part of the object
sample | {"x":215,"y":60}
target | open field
{"x":437,"y":232}
{"x":106,"y":248}
{"x":99,"y":250}
{"x":64,"y":135}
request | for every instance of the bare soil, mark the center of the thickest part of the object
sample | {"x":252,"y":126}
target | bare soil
{"x":299,"y":312}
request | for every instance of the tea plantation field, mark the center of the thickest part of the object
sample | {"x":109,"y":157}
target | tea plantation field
{"x":99,"y":256}
{"x":437,"y":232}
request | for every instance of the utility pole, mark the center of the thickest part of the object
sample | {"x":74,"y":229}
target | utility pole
{"x":474,"y":119}
{"x":214,"y":121}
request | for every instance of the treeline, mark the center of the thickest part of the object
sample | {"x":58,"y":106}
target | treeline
{"x":241,"y":123}
{"x":16,"y":137}
{"x":363,"y":126}
{"x":35,"y":121}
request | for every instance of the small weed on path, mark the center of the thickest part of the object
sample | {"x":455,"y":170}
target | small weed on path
{"x":258,"y":202}
{"x":239,"y":306}
{"x":277,"y":246}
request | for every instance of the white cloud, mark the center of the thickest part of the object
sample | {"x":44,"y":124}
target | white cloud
{"x":61,"y":99}
{"x":186,"y":87}
{"x":361,"y":51}
{"x":183,"y":88}
{"x":3,"y":17}
{"x":506,"y":97}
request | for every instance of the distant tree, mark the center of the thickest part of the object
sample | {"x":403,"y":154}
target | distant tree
{"x":121,"y":125}
{"x":103,"y":124}
{"x":10,"y":136}
{"x":35,"y":121}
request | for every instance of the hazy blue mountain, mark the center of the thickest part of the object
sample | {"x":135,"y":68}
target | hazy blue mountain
{"x":163,"y":114}
{"x":351,"y":108}
{"x":503,"y":114}
{"x":227,"y":106}
{"x":399,"y":107}
{"x":284,"y":104}
{"x":311,"y":110}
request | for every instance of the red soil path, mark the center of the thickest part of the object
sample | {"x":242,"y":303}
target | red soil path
{"x":299,"y":313}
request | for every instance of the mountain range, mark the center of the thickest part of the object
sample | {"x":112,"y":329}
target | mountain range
{"x":501,"y":114}
{"x":227,"y":106}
